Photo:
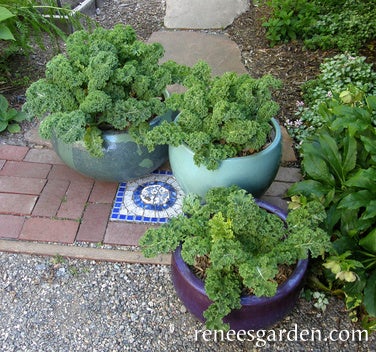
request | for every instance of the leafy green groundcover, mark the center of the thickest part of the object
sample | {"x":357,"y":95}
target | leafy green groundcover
{"x":346,"y":25}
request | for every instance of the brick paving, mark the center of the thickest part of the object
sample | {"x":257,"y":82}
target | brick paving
{"x":43,"y":200}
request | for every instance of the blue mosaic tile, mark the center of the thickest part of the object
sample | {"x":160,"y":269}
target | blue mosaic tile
{"x":151,"y":199}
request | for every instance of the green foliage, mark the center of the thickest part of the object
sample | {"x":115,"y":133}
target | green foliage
{"x":9,"y":118}
{"x":106,"y":79}
{"x":27,"y":22}
{"x":290,"y":18}
{"x":243,"y":242}
{"x":347,"y":25}
{"x":337,"y":74}
{"x":339,"y":162}
{"x":5,"y":32}
{"x":220,"y":117}
{"x":318,"y":298}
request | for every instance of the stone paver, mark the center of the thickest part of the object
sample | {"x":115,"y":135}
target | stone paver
{"x":23,"y":185}
{"x":288,"y":174}
{"x":17,"y":203}
{"x":11,"y":152}
{"x":120,"y":233}
{"x":288,"y":153}
{"x":51,"y":198}
{"x":103,"y":192}
{"x":25,"y":169}
{"x":187,"y":48}
{"x":33,"y":137}
{"x":201,"y":14}
{"x":49,"y":230}
{"x":94,"y":222}
{"x":46,"y":156}
{"x":11,"y":226}
{"x":63,"y":172}
{"x":73,"y":205}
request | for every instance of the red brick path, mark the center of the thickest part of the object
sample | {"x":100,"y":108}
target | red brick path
{"x":41,"y":199}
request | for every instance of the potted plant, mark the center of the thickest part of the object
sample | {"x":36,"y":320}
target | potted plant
{"x":238,"y":262}
{"x":225,"y":133}
{"x":99,"y":98}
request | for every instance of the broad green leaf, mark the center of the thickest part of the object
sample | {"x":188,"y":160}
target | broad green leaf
{"x":20,"y":116}
{"x":3,"y":126}
{"x":370,"y":295}
{"x":370,"y":211}
{"x":350,"y":224}
{"x":14,"y":128}
{"x":369,"y":144}
{"x":369,"y":242}
{"x":5,"y":14}
{"x":309,"y":188}
{"x":312,"y":147}
{"x":10,"y":114}
{"x":343,"y":244}
{"x":333,"y":216}
{"x":5,"y":33}
{"x":3,"y":104}
{"x":342,"y":110}
{"x":331,"y":154}
{"x":356,"y":200}
{"x":355,"y":288}
{"x":371,"y":102}
{"x":364,"y":178}
{"x":350,"y":153}
{"x":317,"y":169}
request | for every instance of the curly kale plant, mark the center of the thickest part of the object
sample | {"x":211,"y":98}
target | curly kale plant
{"x":106,"y":79}
{"x":220,"y":117}
{"x":244,"y":244}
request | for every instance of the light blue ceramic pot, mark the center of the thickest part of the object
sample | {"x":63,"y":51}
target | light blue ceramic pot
{"x":123,"y":158}
{"x":254,"y":173}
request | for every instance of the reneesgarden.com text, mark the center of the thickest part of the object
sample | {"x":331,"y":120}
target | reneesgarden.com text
{"x":262,"y":337}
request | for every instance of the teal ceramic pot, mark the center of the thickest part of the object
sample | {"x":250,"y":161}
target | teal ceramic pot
{"x":123,"y":158}
{"x":254,"y":173}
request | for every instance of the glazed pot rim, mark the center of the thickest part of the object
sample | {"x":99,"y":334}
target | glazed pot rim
{"x":276,"y":141}
{"x":155,"y":120}
{"x":293,"y":280}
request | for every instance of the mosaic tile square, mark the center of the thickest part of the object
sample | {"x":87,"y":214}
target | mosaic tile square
{"x":151,"y":199}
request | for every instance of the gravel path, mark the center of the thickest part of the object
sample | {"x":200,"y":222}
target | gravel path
{"x":56,"y":304}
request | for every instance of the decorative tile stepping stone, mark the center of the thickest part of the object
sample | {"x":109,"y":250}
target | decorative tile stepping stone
{"x":151,"y":199}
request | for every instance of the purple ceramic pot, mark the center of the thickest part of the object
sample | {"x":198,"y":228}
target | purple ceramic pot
{"x":256,"y":312}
